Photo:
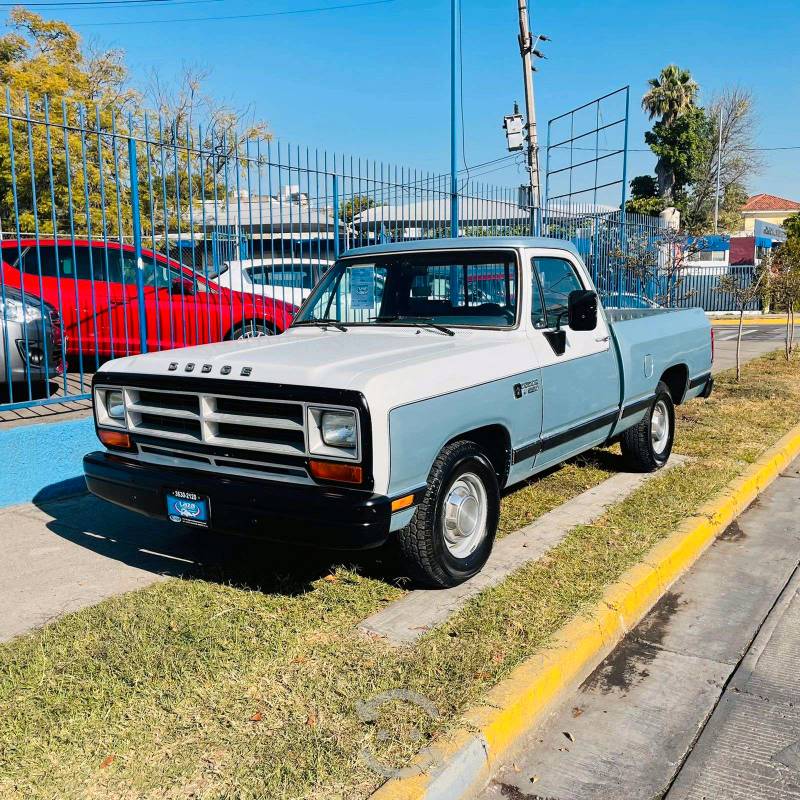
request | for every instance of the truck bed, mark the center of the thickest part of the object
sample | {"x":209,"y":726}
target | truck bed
{"x":649,"y":341}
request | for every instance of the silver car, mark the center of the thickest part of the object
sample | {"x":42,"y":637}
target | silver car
{"x":30,"y":342}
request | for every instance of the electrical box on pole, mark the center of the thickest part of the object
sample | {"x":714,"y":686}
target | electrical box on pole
{"x":514,"y":126}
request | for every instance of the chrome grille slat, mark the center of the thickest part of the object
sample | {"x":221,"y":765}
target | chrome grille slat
{"x":164,"y":411}
{"x":255,"y":422}
{"x":264,"y":426}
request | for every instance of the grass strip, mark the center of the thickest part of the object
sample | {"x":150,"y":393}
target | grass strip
{"x":206,"y":689}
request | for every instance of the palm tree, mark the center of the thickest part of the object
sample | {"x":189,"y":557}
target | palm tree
{"x":670,"y":94}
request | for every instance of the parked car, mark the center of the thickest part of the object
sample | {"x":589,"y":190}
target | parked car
{"x":93,"y":284}
{"x":628,"y":300}
{"x":287,"y":279}
{"x":386,"y":412}
{"x":30,"y":343}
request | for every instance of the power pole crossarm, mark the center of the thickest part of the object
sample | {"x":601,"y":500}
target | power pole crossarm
{"x":526,"y":48}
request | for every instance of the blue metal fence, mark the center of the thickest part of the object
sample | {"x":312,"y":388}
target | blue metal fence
{"x":122,"y":235}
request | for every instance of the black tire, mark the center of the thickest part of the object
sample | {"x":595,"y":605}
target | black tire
{"x":422,"y":542}
{"x":251,"y":329}
{"x":642,"y":448}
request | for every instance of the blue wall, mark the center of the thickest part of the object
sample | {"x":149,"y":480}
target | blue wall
{"x":44,"y":460}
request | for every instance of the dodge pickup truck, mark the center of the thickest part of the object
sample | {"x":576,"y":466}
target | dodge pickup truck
{"x":416,"y":383}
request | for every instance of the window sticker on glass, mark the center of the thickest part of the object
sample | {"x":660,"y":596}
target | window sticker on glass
{"x":362,"y":287}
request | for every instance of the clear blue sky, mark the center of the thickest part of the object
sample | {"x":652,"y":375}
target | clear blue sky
{"x":374,"y":80}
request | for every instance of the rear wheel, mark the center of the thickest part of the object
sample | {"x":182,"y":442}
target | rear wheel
{"x":451,"y":534}
{"x":252,"y":329}
{"x":648,"y":444}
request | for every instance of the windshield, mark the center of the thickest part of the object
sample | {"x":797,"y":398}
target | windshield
{"x":298,"y":276}
{"x":456,"y":288}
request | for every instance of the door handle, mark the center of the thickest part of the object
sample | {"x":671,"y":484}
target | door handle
{"x":601,"y":338}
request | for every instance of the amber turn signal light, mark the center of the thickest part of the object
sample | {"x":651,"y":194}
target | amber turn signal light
{"x":402,"y":502}
{"x":341,"y":473}
{"x":115,"y":439}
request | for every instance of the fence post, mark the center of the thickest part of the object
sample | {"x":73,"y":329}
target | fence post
{"x":335,"y":215}
{"x":136,"y":222}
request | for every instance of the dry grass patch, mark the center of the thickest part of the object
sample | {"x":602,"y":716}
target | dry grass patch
{"x":193,"y":688}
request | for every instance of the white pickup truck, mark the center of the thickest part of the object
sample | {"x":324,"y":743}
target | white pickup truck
{"x":417,"y":382}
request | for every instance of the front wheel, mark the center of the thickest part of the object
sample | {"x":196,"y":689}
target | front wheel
{"x":648,"y":444}
{"x":451,"y":534}
{"x":252,"y":329}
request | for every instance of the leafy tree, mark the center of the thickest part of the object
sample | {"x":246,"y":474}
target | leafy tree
{"x":734,"y":196}
{"x":41,"y":58}
{"x":354,"y":205}
{"x":729,"y":133}
{"x":784,"y":284}
{"x":792,"y":227}
{"x":195,"y":148}
{"x":670,"y":96}
{"x":644,"y":197}
{"x":681,"y":146}
{"x":644,"y":187}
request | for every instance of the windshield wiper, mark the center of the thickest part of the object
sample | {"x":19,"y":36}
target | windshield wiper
{"x":323,"y":322}
{"x":426,"y":322}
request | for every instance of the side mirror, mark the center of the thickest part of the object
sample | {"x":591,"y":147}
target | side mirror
{"x":582,"y":310}
{"x":181,"y":286}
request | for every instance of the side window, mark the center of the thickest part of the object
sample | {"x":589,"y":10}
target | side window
{"x":72,"y":264}
{"x":558,"y":279}
{"x":45,"y":256}
{"x":538,"y":317}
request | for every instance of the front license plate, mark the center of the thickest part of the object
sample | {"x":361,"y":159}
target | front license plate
{"x":188,"y":508}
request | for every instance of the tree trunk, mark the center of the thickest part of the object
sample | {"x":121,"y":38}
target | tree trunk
{"x":739,"y":345}
{"x":788,"y":328}
{"x":666,"y":179}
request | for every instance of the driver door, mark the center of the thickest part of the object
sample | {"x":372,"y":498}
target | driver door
{"x":580,"y":387}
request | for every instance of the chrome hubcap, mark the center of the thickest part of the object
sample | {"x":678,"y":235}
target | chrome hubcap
{"x":464,"y":515}
{"x":659,"y":427}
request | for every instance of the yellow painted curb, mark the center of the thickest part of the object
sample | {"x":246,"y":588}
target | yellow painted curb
{"x":464,"y":760}
{"x":747,"y":321}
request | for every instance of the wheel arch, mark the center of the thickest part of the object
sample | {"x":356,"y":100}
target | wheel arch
{"x":677,"y":380}
{"x":244,"y":320}
{"x":495,"y":441}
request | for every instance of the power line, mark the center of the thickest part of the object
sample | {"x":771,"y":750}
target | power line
{"x":648,"y":150}
{"x":294,"y":11}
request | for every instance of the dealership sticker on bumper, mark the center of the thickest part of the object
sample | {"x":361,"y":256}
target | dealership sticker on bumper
{"x":188,"y":507}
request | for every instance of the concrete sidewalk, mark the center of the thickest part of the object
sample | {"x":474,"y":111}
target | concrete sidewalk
{"x":628,"y":730}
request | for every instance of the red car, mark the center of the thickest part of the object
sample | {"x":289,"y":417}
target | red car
{"x":93,"y":285}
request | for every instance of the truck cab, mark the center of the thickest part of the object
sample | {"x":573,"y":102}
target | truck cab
{"x":418,"y":380}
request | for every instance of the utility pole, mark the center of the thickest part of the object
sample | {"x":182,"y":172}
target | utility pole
{"x":719,"y":164}
{"x":454,"y":11}
{"x":527,"y":49}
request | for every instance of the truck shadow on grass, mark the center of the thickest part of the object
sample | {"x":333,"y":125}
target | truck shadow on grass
{"x":166,"y":549}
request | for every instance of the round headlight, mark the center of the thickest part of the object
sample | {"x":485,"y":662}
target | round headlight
{"x":339,"y":429}
{"x":115,"y":406}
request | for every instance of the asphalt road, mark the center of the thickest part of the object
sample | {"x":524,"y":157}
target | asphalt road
{"x":702,"y":700}
{"x":756,"y":340}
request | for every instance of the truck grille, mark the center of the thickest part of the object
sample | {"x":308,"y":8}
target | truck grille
{"x":263,"y":426}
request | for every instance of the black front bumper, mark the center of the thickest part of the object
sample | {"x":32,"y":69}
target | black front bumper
{"x":329,"y":516}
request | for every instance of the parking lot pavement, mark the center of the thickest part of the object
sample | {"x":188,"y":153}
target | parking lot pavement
{"x":65,"y":554}
{"x":756,"y":340}
{"x":630,"y":727}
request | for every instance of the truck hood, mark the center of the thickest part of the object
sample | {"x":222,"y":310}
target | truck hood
{"x":402,"y":363}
